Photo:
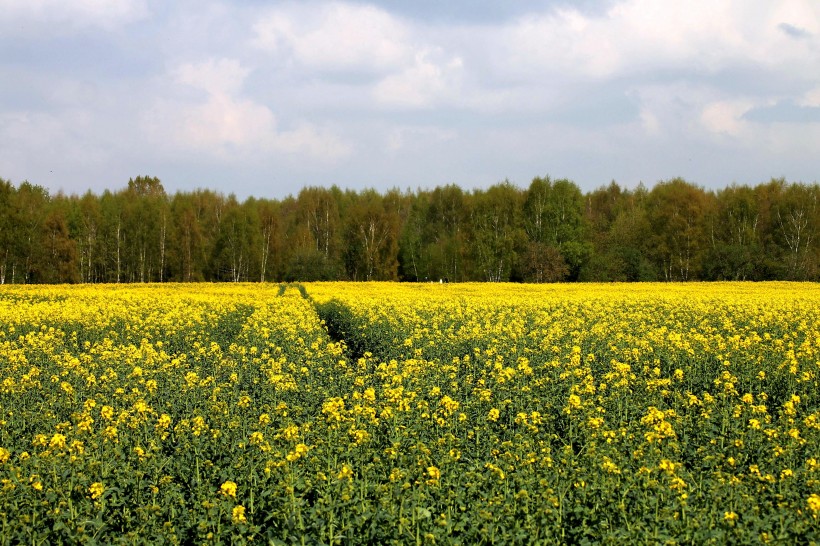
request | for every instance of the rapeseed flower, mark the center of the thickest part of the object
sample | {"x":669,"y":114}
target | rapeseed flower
{"x":228,"y":489}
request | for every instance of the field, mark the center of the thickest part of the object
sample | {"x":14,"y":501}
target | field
{"x":344,"y":413}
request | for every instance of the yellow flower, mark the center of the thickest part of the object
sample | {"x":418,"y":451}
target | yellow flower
{"x":729,"y":516}
{"x":107,"y":412}
{"x":228,"y":489}
{"x":346,"y":473}
{"x":291,"y":432}
{"x":299,"y":451}
{"x":164,"y":421}
{"x":610,"y":467}
{"x":96,"y":489}
{"x":238,"y":514}
{"x":493,"y":415}
{"x":433,"y":474}
{"x":57,"y":442}
{"x":814,"y":504}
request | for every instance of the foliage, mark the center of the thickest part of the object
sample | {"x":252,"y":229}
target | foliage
{"x":548,"y":232}
{"x":344,"y":413}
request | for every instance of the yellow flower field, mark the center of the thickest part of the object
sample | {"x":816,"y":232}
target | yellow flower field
{"x":344,"y":413}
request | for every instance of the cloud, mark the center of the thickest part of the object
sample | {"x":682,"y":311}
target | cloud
{"x":69,"y":16}
{"x":794,"y":31}
{"x":334,"y":37}
{"x":810,"y":98}
{"x":726,"y":117}
{"x":215,"y":76}
{"x":42,"y":147}
{"x":415,"y":136}
{"x":422,"y":84}
{"x":228,"y":126}
{"x":389,"y":92}
{"x":639,"y":36}
{"x":784,"y":111}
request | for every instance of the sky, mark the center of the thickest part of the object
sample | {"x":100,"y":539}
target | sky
{"x":261,"y":98}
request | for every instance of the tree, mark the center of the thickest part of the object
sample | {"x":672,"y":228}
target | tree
{"x":734,"y":236}
{"x":233,"y":247}
{"x":619,"y":232}
{"x":798,"y":225}
{"x":372,"y":235}
{"x":496,"y":231}
{"x":270,"y":239}
{"x":543,"y":263}
{"x":85,"y":225}
{"x":187,"y":253}
{"x":60,"y":256}
{"x":676,"y":214}
{"x":413,"y":262}
{"x":145,"y":224}
{"x":553,"y":218}
{"x":8,"y":236}
{"x":445,"y":235}
{"x":31,"y":214}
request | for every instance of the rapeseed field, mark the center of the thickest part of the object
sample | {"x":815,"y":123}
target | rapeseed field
{"x":362,"y":413}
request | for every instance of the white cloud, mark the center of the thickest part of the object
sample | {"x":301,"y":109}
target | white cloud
{"x":402,"y":137}
{"x":650,"y":122}
{"x":810,"y":98}
{"x":642,"y":35}
{"x":229,"y":126}
{"x":422,"y":84}
{"x":406,"y":66}
{"x":42,"y":147}
{"x":726,"y":116}
{"x":62,"y":16}
{"x":334,"y":36}
{"x":325,"y":86}
{"x":216,"y":76}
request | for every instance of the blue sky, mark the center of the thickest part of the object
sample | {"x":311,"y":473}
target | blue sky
{"x":263,"y":98}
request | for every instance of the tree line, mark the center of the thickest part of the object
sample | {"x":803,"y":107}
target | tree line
{"x":549,"y":232}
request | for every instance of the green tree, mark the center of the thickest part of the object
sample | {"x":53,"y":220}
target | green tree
{"x":231,"y":258}
{"x":798,"y":225}
{"x":60,"y":258}
{"x":676,"y":212}
{"x":8,"y":227}
{"x":620,"y":233}
{"x":31,"y":215}
{"x":270,"y":240}
{"x":734,"y":236}
{"x":496,"y":231}
{"x":445,"y":235}
{"x":372,"y":236}
{"x":85,"y":225}
{"x":145,"y":221}
{"x":553,"y":219}
{"x":413,"y":261}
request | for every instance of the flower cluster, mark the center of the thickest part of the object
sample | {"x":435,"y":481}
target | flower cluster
{"x":387,"y":413}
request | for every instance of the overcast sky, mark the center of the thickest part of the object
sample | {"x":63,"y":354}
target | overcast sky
{"x":262,"y":98}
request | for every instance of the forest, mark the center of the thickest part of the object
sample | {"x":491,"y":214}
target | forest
{"x":550,"y":231}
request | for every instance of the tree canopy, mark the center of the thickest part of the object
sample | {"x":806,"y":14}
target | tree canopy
{"x":548,"y":232}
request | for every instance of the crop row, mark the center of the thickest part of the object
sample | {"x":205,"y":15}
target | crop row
{"x":384,"y":413}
